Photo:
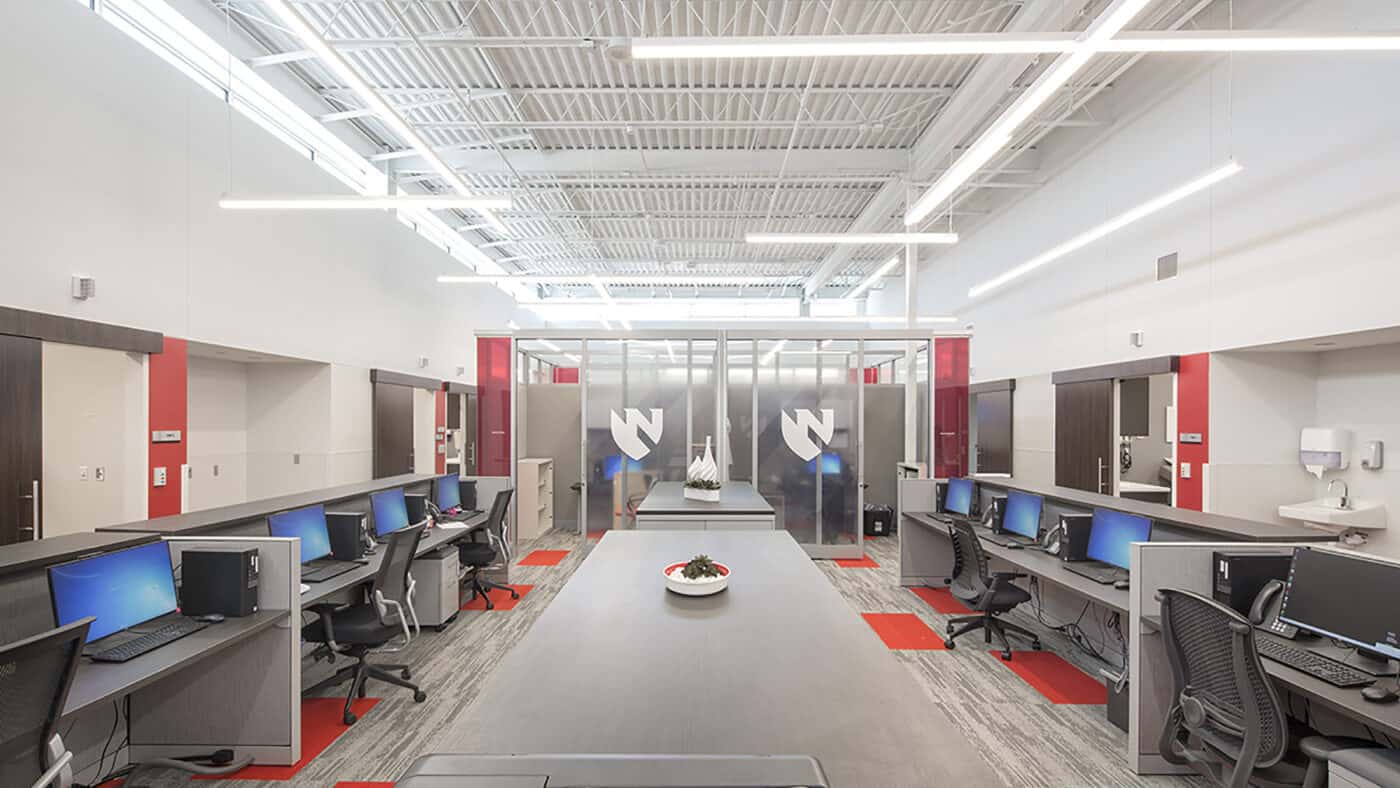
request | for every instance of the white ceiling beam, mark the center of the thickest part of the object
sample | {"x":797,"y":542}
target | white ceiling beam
{"x":710,"y":162}
{"x":982,"y":92}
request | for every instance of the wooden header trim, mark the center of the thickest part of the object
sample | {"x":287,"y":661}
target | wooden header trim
{"x":400,"y":379}
{"x":72,"y":331}
{"x":452,"y":387}
{"x":1138,"y":368}
{"x":992,"y":385}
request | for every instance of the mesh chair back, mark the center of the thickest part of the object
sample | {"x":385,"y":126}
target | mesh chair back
{"x":969,"y":580}
{"x":496,"y":522}
{"x":35,"y":674}
{"x":392,"y":579}
{"x":1214,"y":661}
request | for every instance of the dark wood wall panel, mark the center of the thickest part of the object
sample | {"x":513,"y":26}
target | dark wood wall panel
{"x":393,"y":429}
{"x":21,"y":436}
{"x":1084,"y":457}
{"x":72,"y":331}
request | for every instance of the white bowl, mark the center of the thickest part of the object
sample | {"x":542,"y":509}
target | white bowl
{"x":701,"y":587}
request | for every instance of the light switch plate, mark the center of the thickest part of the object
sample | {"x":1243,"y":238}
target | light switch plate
{"x":82,"y":473}
{"x":100,"y":473}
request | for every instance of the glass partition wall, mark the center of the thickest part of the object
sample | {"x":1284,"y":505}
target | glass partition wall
{"x":815,"y":422}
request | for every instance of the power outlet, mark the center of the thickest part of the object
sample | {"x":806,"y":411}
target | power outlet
{"x":82,"y":473}
{"x":158,"y":478}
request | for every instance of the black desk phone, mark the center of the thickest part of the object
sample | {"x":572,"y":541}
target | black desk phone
{"x":1267,"y":605}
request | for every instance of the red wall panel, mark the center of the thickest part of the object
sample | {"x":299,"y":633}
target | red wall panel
{"x":493,"y":411}
{"x":439,"y":431}
{"x":1192,"y":415}
{"x":169,"y":410}
{"x":566,"y":374}
{"x":950,"y":418}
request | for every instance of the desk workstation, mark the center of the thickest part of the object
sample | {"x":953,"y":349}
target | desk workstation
{"x":208,"y":613}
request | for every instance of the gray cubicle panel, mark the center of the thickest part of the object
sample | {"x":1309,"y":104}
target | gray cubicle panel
{"x":25,"y":606}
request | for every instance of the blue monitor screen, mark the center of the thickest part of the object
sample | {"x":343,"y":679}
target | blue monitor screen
{"x":390,"y":511}
{"x":1111,"y":532}
{"x":612,"y":466}
{"x":448,"y":493}
{"x":120,"y":589}
{"x":308,"y":525}
{"x":1022,"y":514}
{"x":959,"y":499}
{"x":831,"y":464}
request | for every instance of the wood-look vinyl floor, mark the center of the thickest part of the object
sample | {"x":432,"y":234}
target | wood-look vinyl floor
{"x":1027,"y":740}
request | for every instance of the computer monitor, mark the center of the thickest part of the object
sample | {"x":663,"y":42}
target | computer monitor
{"x":120,"y":589}
{"x":447,"y":492}
{"x":1111,"y":532}
{"x":1347,"y":597}
{"x":390,"y":511}
{"x":959,"y":497}
{"x":308,"y":525}
{"x":831,"y":464}
{"x":612,"y":466}
{"x":1022,"y":515}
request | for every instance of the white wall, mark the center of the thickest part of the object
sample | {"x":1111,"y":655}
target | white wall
{"x":352,"y":438}
{"x":115,"y":173}
{"x":1302,"y":243}
{"x":218,"y":433}
{"x":424,"y":429}
{"x":1033,"y":430}
{"x":94,"y":416}
{"x":289,"y":422}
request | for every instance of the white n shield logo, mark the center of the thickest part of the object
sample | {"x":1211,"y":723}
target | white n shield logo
{"x":797,"y":431}
{"x":625,"y":431}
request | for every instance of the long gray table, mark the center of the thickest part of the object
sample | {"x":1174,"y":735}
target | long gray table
{"x":739,"y":508}
{"x":777,"y":664}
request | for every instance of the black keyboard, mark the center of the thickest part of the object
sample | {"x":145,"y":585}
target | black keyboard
{"x":1313,"y":664}
{"x":318,"y":571}
{"x":1009,"y":540}
{"x":167,"y":633}
{"x":1107,"y":574}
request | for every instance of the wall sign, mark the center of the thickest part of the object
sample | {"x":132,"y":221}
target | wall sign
{"x":627,"y":431}
{"x":799,"y":428}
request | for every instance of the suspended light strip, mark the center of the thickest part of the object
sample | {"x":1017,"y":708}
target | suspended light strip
{"x":612,"y":305}
{"x":745,"y":47}
{"x":851,"y":238}
{"x":620,"y":279}
{"x":670,"y":351}
{"x":999,"y":134}
{"x":338,"y":202}
{"x":875,"y":277}
{"x":296,"y":24}
{"x":771,"y":354}
{"x":1117,"y":223}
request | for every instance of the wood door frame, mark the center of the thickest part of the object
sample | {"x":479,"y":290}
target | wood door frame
{"x":21,"y":367}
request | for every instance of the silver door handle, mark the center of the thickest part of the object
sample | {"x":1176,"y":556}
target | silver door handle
{"x":1100,"y":475}
{"x":33,"y":498}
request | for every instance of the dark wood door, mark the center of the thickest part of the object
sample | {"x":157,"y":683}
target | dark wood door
{"x":393,"y":430}
{"x":469,"y":450}
{"x":994,"y":432}
{"x":21,"y":438}
{"x":1084,"y":457}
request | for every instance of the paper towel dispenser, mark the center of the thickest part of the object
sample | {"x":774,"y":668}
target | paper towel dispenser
{"x":1323,"y":449}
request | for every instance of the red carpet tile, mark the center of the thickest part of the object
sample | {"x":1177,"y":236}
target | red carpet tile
{"x":857,"y":563}
{"x":501,"y":599}
{"x":1059,"y":681}
{"x":942,"y":600}
{"x":321,"y":725}
{"x":902,"y":631}
{"x":544,"y":558}
{"x":596,"y":535}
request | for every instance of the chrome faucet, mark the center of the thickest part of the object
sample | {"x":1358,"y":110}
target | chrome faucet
{"x":1345,"y":501}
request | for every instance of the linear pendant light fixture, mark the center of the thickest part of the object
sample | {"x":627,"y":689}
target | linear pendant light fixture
{"x":1112,"y":225}
{"x":611,"y":305}
{"x":900,"y":239}
{"x":338,"y":202}
{"x":296,"y":24}
{"x":875,"y":277}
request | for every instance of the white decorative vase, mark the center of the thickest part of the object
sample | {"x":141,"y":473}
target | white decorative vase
{"x":702,"y":469}
{"x":697,"y":494}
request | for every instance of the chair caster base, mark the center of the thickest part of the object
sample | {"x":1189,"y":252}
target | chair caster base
{"x":420,"y":696}
{"x":406,"y":674}
{"x":349,"y":718}
{"x":1036,"y":646}
{"x":1006,"y":656}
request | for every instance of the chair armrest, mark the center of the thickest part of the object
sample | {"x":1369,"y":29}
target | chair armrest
{"x":325,"y":612}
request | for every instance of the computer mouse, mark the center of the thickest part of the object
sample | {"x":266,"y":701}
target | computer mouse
{"x":1378,"y":694}
{"x":210,"y":618}
{"x":1014,"y":546}
{"x":1122,"y":585}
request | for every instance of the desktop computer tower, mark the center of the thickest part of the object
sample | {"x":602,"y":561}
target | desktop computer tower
{"x":467,"y":489}
{"x":1238,"y":577}
{"x":347,"y":531}
{"x":992,"y":516}
{"x":417,"y":507}
{"x":1073,"y":536}
{"x":219,"y":581}
{"x":437,"y":597}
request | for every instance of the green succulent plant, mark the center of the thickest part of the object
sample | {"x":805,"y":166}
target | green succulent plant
{"x":700,"y":566}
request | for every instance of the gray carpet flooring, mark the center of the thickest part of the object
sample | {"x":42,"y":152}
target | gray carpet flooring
{"x":1027,"y":740}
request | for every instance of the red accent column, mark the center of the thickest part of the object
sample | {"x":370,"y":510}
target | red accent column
{"x":440,"y":431}
{"x":1192,"y":415}
{"x":950,"y":417}
{"x":493,"y":411}
{"x":566,"y":374}
{"x":169,"y":410}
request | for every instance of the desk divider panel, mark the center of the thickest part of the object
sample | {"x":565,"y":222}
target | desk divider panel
{"x":248,"y":696}
{"x":922,"y":556}
{"x":1185,"y":566}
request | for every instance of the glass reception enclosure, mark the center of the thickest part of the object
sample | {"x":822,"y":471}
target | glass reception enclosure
{"x":816,"y":422}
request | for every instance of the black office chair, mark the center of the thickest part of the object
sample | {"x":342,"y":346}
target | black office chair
{"x":1226,"y":722}
{"x":989,"y":593}
{"x":477,"y":556}
{"x":35,"y":674}
{"x":362,"y":630}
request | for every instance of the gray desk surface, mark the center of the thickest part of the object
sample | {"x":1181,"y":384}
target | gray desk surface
{"x":432,"y":540}
{"x":1382,"y":717}
{"x":1041,"y":564}
{"x":98,"y":682}
{"x":734,"y":498}
{"x":57,"y":549}
{"x":205,"y":519}
{"x":1232,"y":529}
{"x":777,"y":664}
